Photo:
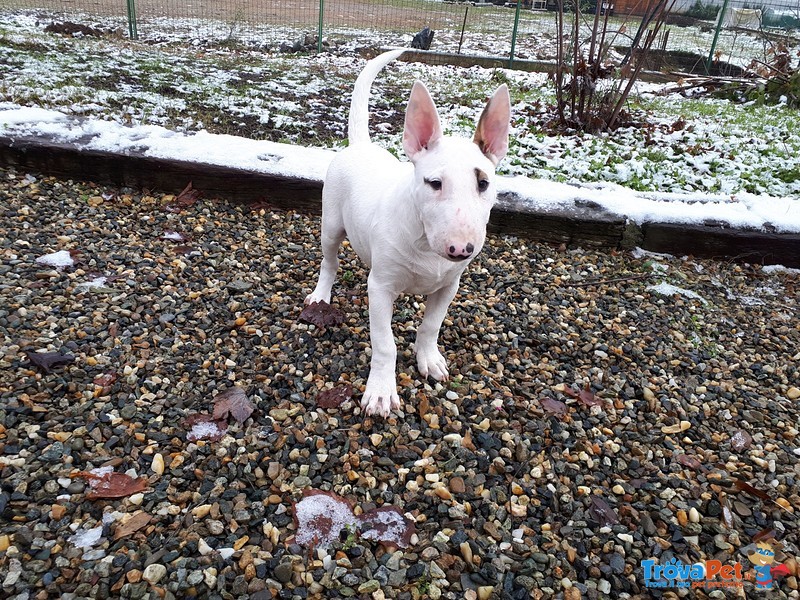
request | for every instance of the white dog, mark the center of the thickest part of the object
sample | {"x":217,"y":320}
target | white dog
{"x":416,"y":225}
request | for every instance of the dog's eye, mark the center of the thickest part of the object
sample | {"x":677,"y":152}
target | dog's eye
{"x":483,"y":185}
{"x":435,"y":184}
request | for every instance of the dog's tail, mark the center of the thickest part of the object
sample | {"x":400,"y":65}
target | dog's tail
{"x":358,"y":124}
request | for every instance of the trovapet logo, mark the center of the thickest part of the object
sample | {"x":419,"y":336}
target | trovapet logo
{"x":711,"y":574}
{"x":708,"y":574}
{"x":763,"y":558}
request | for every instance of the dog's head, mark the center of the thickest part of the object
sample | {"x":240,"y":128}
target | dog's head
{"x":455,"y":177}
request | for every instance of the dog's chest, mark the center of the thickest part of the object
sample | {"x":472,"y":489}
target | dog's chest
{"x":430,"y":274}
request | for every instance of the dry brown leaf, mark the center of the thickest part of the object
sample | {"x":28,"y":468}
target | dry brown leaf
{"x":335,"y":397}
{"x":746,"y":487}
{"x":602,"y":511}
{"x":109,"y":484}
{"x":185,"y":199}
{"x":388,"y":526}
{"x":553,"y":406}
{"x":132,"y":525}
{"x":47,"y":361}
{"x":740,"y":441}
{"x":233,"y":402}
{"x":322,"y":314}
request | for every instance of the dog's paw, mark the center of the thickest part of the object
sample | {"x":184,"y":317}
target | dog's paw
{"x":315,"y":297}
{"x":380,"y":396}
{"x":431,"y":363}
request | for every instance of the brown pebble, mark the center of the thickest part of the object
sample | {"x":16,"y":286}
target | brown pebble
{"x":134,"y":576}
{"x":443,"y":493}
{"x":58,"y":511}
{"x":246,"y":559}
{"x":457,"y":485}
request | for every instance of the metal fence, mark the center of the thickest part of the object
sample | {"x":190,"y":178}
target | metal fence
{"x":714,"y":33}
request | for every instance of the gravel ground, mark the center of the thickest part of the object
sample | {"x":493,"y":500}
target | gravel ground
{"x":684,"y":445}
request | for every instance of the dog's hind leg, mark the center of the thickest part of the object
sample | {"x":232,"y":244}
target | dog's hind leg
{"x":429,"y":360}
{"x":332,"y":236}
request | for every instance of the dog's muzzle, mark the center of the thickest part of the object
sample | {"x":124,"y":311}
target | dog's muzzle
{"x":456,"y":253}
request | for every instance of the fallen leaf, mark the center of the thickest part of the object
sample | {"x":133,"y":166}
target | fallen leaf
{"x":233,"y":402}
{"x":132,"y":525}
{"x":553,"y":406}
{"x":388,"y":526}
{"x":261,"y":204}
{"x":746,"y":487}
{"x":585,"y":396}
{"x":741,"y":441}
{"x":108,"y":484}
{"x":727,"y":514}
{"x":320,"y":516}
{"x":176,"y":236}
{"x":764,"y":534}
{"x":322,"y":315}
{"x":602,"y":512}
{"x":690,"y":462}
{"x":335,"y":397}
{"x":186,"y":250}
{"x":105,"y":379}
{"x":204,"y":427}
{"x":46,"y":361}
{"x":185,"y":199}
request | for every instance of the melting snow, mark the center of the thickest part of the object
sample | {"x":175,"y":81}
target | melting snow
{"x":203,"y":430}
{"x":286,"y":160}
{"x":94,"y":283}
{"x":320,"y":518}
{"x":666,"y":289}
{"x":86,"y":538}
{"x":387,"y":526}
{"x":59,"y":259}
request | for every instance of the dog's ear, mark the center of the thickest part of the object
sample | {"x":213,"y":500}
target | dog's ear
{"x":422,"y":126}
{"x":491,"y":135}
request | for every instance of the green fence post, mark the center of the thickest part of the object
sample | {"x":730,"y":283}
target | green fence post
{"x":514,"y":35}
{"x":319,"y":26}
{"x":132,"y":20}
{"x":716,"y":37}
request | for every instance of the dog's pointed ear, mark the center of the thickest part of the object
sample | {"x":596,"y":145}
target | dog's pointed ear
{"x":491,"y":135}
{"x":422,"y":126}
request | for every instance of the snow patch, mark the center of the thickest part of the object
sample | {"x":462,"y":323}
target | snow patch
{"x":204,"y":430}
{"x":320,"y":518}
{"x":667,"y":289}
{"x":59,"y":260}
{"x":87,"y":538}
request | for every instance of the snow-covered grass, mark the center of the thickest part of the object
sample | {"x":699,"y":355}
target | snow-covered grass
{"x":674,"y":144}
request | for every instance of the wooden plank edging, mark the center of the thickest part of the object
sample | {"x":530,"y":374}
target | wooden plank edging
{"x":587,"y":225}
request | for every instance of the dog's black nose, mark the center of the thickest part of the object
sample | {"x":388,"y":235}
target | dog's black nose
{"x":460,"y":253}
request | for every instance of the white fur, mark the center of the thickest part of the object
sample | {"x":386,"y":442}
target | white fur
{"x":416,"y":225}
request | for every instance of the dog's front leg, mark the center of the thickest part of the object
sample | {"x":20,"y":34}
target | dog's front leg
{"x":429,"y":360}
{"x":380,"y":396}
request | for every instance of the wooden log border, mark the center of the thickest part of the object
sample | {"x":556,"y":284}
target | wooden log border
{"x":585,"y":225}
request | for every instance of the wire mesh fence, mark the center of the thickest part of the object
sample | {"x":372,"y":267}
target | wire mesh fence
{"x":725,"y":36}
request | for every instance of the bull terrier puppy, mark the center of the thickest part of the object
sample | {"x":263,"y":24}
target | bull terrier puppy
{"x":416,"y":225}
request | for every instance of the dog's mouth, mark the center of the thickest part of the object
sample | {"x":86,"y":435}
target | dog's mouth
{"x":456,"y":259}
